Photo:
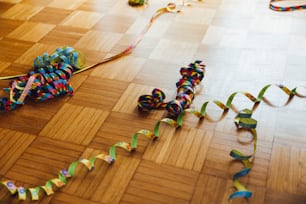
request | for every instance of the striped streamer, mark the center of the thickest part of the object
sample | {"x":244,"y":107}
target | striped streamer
{"x":49,"y":79}
{"x":275,"y":7}
{"x":192,"y":76}
{"x":244,"y":121}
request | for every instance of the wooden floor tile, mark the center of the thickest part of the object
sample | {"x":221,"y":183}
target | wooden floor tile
{"x":101,"y":41}
{"x":63,"y":36}
{"x":8,"y":26}
{"x":28,"y":57}
{"x":120,"y":128}
{"x":275,"y":197}
{"x":33,"y":167}
{"x":291,"y":169}
{"x":123,"y":70}
{"x":70,"y":4}
{"x":51,"y":15}
{"x":68,"y":124}
{"x":32,"y":32}
{"x":21,"y":12}
{"x":106,"y":182}
{"x":82,"y":19}
{"x":9,"y":54}
{"x":13,"y":145}
{"x":104,"y":96}
{"x":153,"y":183}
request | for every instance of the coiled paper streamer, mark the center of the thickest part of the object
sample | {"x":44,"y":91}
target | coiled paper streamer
{"x":49,"y":78}
{"x":192,"y":76}
{"x":244,"y":121}
{"x":274,"y":7}
{"x":137,"y":2}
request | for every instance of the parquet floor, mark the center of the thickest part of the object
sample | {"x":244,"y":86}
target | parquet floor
{"x":244,"y":46}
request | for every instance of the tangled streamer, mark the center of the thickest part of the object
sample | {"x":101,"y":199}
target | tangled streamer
{"x":285,"y":8}
{"x":49,"y":78}
{"x":192,"y":76}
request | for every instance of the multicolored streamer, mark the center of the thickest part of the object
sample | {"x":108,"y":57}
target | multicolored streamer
{"x":49,"y":78}
{"x":192,"y":76}
{"x":244,"y":121}
{"x":274,"y":7}
{"x":65,"y":174}
{"x":137,"y":2}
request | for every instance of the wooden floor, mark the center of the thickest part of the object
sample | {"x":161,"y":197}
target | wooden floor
{"x":244,"y":45}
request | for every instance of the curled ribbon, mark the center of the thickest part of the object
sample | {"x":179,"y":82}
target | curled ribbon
{"x":150,"y":102}
{"x":192,"y":75}
{"x":243,"y":121}
{"x":137,"y":2}
{"x":49,"y":78}
{"x":274,"y":7}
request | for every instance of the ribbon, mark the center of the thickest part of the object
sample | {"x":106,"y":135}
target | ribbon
{"x":256,"y":100}
{"x":243,"y":121}
{"x":170,"y":8}
{"x":274,"y":7}
{"x":49,"y":78}
{"x":192,"y":76}
{"x":137,"y":2}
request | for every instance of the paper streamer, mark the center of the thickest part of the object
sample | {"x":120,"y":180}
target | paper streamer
{"x":274,"y":7}
{"x":192,"y":76}
{"x":137,"y":2}
{"x":244,"y":121}
{"x":49,"y":78}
